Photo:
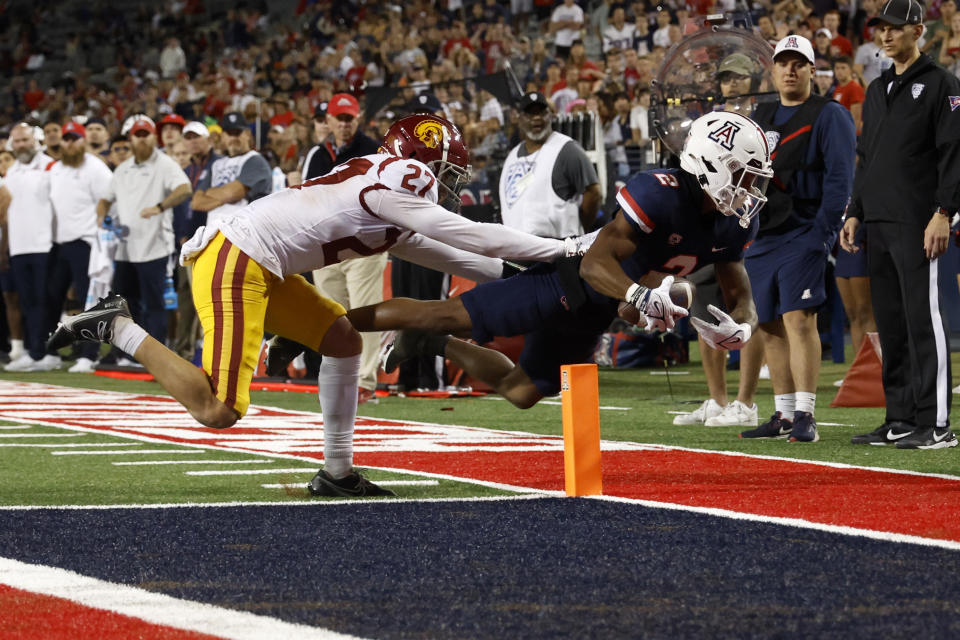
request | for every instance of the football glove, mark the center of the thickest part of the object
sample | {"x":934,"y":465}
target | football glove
{"x":655,"y":305}
{"x":572,"y":247}
{"x":728,"y":335}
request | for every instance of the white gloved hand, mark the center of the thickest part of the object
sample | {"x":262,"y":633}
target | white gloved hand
{"x":572,"y":247}
{"x":660,"y":312}
{"x":728,"y":335}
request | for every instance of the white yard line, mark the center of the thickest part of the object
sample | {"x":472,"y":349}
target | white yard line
{"x":885,"y":536}
{"x":248,"y":472}
{"x":63,"y":444}
{"x":119,"y":451}
{"x":155,"y":608}
{"x":382,"y":483}
{"x":160,"y":462}
{"x":39,"y":435}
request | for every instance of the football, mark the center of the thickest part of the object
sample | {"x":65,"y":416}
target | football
{"x":681,"y":292}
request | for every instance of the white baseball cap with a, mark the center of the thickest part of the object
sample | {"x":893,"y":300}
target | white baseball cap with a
{"x":797,"y":44}
{"x":198,"y":128}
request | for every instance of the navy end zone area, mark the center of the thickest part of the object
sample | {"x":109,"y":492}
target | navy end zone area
{"x":138,"y":497}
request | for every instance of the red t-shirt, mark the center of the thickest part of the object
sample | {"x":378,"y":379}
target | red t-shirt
{"x":849,"y":94}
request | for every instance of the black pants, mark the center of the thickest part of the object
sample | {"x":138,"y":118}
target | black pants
{"x":142,"y":284}
{"x":911,"y":323}
{"x":69,"y":263}
{"x":29,"y":271}
{"x":413,"y":281}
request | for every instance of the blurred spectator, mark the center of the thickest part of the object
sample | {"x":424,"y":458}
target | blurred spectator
{"x":871,"y":60}
{"x":119,"y":151}
{"x":566,"y":21}
{"x":171,"y":129}
{"x":29,"y":227}
{"x":548,"y":187}
{"x":77,"y":183}
{"x":640,"y":127}
{"x":839,"y":43}
{"x":661,"y":37}
{"x":98,"y":138}
{"x":848,"y":91}
{"x":241,"y":177}
{"x":10,"y":299}
{"x":145,"y":188}
{"x":196,"y":138}
{"x":619,"y":33}
{"x":51,"y":137}
{"x":821,"y":46}
{"x":823,"y":82}
{"x":949,"y":54}
{"x":357,"y":282}
{"x":938,"y":30}
{"x":172,"y":59}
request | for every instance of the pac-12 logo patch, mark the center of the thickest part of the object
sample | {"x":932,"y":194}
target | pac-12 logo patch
{"x":773,"y":138}
{"x":916,"y":90}
{"x":954,"y":102}
{"x":725,"y":135}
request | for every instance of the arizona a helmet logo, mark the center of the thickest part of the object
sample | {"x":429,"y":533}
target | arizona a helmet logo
{"x":430,"y":133}
{"x":725,"y":134}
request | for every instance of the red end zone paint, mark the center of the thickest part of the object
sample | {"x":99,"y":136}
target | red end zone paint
{"x":28,"y":616}
{"x":881,"y":501}
{"x":911,"y":504}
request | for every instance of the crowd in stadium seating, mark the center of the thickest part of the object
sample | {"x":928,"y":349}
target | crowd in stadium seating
{"x":179,"y":62}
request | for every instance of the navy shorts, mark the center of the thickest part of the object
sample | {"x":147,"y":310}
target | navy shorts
{"x":533,"y":304}
{"x":853,"y":265}
{"x":790,"y":277}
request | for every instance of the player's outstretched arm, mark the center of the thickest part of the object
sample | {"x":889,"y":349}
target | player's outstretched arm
{"x":433,"y":221}
{"x":601,"y":263}
{"x":426,"y":252}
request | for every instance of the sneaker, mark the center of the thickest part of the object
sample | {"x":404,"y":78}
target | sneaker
{"x":956,"y":389}
{"x":734,"y":414}
{"x":891,"y":432}
{"x":764,"y":372}
{"x":280,"y":353}
{"x":407,"y":345}
{"x":928,"y":438}
{"x":775,"y":427}
{"x":95,"y":324}
{"x":353,"y":485}
{"x":48,"y":362}
{"x":804,"y":428}
{"x":708,"y":409}
{"x":82,"y":365}
{"x":23,"y":363}
{"x":127,"y":362}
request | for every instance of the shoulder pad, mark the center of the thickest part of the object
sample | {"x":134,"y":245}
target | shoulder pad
{"x":408,"y":176}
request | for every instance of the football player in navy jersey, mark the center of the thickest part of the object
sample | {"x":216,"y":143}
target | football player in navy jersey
{"x":671,"y":221}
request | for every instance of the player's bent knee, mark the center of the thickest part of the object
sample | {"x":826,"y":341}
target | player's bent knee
{"x":217,"y":416}
{"x":342,"y":340}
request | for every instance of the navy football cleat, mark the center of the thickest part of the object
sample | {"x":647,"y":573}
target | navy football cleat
{"x":775,"y":427}
{"x":353,"y":485}
{"x":94,"y":325}
{"x":804,"y":428}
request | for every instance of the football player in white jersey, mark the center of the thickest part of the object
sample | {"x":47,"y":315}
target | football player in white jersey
{"x":246,"y":279}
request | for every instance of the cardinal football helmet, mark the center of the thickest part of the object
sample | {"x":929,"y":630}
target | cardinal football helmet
{"x":729,"y":155}
{"x":437,"y":143}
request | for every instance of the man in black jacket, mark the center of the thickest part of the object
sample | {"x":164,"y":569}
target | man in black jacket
{"x":906,"y":189}
{"x":357,"y":282}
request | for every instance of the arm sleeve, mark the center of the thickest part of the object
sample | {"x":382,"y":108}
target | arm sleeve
{"x":173,"y":175}
{"x":838,"y":141}
{"x":492,"y":240}
{"x":429,"y":253}
{"x":573,"y":172}
{"x":948,"y":146}
{"x":255,"y":175}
